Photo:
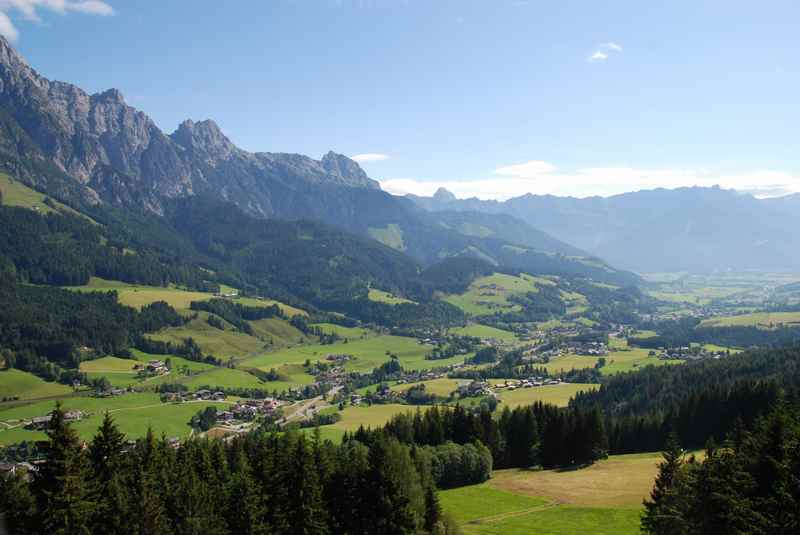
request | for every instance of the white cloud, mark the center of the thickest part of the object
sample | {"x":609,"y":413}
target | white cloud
{"x":370,"y":157}
{"x":29,"y":10}
{"x":542,"y":178}
{"x":603,"y":51}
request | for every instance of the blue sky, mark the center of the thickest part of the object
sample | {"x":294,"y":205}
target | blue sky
{"x":491,"y":98}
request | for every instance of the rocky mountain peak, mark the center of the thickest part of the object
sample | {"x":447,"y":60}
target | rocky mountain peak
{"x":9,"y":57}
{"x":110,"y":96}
{"x":444,"y":195}
{"x":203,"y":137}
{"x":346,"y":170}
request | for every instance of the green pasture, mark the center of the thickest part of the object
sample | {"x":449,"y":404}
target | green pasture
{"x":490,"y":294}
{"x":345,"y":332}
{"x":485,"y":332}
{"x":554,"y":394}
{"x":369,"y":352}
{"x":762,"y":320}
{"x":24,"y":385}
{"x":380,"y":296}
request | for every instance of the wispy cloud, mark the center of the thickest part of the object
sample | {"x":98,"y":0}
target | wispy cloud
{"x":370,"y":157}
{"x":603,"y":51}
{"x":29,"y":10}
{"x":543,"y":178}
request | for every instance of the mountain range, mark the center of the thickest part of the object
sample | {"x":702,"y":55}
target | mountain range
{"x":96,"y":152}
{"x":686,"y":229}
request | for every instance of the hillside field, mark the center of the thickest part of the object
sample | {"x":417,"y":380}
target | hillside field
{"x":134,"y":413}
{"x":762,"y":320}
{"x":490,"y":294}
{"x":555,"y":394}
{"x":369,"y":352}
{"x":604,"y":498}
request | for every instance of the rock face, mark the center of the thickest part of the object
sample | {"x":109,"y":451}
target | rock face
{"x":96,"y":148}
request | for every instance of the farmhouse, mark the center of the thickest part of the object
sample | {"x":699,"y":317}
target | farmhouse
{"x":157,"y":367}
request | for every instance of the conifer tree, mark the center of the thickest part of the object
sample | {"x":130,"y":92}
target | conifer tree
{"x":105,"y":454}
{"x":245,"y":508}
{"x":62,"y":484}
{"x":663,"y":511}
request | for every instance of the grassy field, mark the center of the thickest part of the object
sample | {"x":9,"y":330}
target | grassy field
{"x":279,"y":332}
{"x":137,"y":296}
{"x":221,"y":344}
{"x":468,"y":504}
{"x":369,"y":352}
{"x":345,"y":332}
{"x":762,"y":320}
{"x":374,"y":416}
{"x":604,"y":498}
{"x":24,"y":385}
{"x":133,"y":412}
{"x":441,"y":387}
{"x":485,"y":331}
{"x":555,"y":394}
{"x":621,"y":358}
{"x":490,"y":294}
{"x":391,"y":235}
{"x":15,"y":193}
{"x":226,"y":378}
{"x":380,"y":296}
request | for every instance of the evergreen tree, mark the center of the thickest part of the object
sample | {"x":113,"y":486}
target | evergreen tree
{"x":663,"y":511}
{"x":62,"y":485}
{"x":245,"y":509}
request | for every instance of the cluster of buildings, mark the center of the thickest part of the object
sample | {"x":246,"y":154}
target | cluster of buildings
{"x":474,"y":389}
{"x":153,"y":367}
{"x":200,"y":395}
{"x":593,"y":349}
{"x":248,"y":410}
{"x":530,"y":382}
{"x":41,"y":422}
{"x":689,"y":353}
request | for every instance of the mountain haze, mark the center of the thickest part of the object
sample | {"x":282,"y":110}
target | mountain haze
{"x":685,"y":229}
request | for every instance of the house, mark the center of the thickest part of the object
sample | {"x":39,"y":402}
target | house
{"x":39,"y":422}
{"x":218,"y":396}
{"x":157,"y":367}
{"x":224,"y":416}
{"x":174,"y":443}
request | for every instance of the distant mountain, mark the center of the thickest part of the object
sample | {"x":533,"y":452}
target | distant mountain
{"x":95,"y":150}
{"x":692,"y":229}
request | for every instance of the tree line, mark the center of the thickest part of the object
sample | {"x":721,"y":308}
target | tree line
{"x":257,"y":484}
{"x":696,"y":399}
{"x":534,"y":435}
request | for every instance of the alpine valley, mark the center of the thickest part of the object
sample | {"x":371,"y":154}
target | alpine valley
{"x":195,"y":338}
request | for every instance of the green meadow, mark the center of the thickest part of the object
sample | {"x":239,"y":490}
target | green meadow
{"x":24,"y":385}
{"x":490,"y":294}
{"x":380,"y":296}
{"x":134,"y":413}
{"x":555,"y":394}
{"x":604,"y":498}
{"x":484,"y":332}
{"x":368,"y":352}
{"x":762,"y":320}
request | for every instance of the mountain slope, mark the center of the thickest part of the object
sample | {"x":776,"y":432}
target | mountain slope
{"x":692,"y":229}
{"x":92,"y":150}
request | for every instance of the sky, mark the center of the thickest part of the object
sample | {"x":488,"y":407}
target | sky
{"x":488,"y":98}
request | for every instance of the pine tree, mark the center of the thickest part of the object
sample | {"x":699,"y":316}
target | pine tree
{"x":664,"y":510}
{"x":105,"y":453}
{"x":245,"y":510}
{"x":62,"y":484}
{"x":306,"y":512}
